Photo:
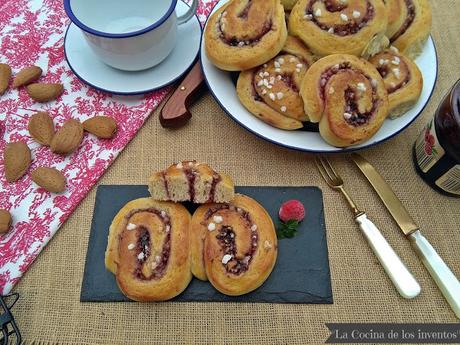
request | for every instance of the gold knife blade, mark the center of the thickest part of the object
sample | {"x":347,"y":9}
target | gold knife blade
{"x":389,"y":198}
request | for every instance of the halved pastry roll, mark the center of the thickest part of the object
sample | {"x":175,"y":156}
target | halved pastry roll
{"x":191,"y":181}
{"x":409,"y":25}
{"x":403,"y":80}
{"x":347,"y":96}
{"x":233,"y":245}
{"x":354,"y":27}
{"x":244,"y":34}
{"x":271,"y":91}
{"x":148,"y":250}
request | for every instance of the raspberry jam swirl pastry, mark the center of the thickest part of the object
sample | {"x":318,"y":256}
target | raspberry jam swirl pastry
{"x":243,"y":34}
{"x":403,"y":80}
{"x":148,"y":250}
{"x":354,"y":27}
{"x":409,"y":25}
{"x":347,"y":96}
{"x":271,"y":91}
{"x":233,"y":245}
{"x":191,"y":181}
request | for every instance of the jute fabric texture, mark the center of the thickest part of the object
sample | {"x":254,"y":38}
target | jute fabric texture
{"x":49,"y":310}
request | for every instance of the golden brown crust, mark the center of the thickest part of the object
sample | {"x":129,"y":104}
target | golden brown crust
{"x":241,"y":35}
{"x":288,"y":4}
{"x":271,"y":91}
{"x":347,"y":96}
{"x":410,"y":40}
{"x":357,"y":27}
{"x":244,"y":231}
{"x":155,"y":269}
{"x":403,"y":80}
{"x":397,"y":11}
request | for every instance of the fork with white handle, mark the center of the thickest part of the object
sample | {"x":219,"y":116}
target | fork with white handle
{"x":402,"y":279}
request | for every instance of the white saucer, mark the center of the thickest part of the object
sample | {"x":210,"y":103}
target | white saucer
{"x":92,"y":71}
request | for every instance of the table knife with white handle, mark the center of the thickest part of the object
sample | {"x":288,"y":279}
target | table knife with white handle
{"x":438,"y":269}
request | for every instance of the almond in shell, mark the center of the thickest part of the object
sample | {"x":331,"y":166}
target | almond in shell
{"x":42,"y":93}
{"x":27,"y":75}
{"x":101,"y":126}
{"x":5,"y":221}
{"x":17,"y":160}
{"x":41,"y":128}
{"x":50,"y":179}
{"x":67,"y":138}
{"x":5,"y":75}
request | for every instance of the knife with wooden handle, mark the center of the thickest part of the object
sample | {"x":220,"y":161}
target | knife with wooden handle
{"x":175,"y":112}
{"x":438,"y":269}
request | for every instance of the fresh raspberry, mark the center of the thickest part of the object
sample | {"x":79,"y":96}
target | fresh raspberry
{"x":292,"y":210}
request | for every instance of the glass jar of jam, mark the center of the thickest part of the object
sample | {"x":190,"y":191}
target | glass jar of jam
{"x":437,"y":149}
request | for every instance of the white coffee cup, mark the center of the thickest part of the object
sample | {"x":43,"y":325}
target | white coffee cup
{"x":129,"y":35}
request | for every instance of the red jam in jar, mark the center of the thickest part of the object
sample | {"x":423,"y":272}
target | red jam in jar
{"x":437,"y":149}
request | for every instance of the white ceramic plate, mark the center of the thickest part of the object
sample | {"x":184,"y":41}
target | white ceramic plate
{"x":223,"y":88}
{"x":92,"y":71}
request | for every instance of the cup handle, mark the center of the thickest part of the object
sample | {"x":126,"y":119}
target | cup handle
{"x":189,"y":14}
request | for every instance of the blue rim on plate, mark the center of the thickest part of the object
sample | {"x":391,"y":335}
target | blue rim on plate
{"x":140,"y":92}
{"x":338,"y":150}
{"x":77,"y":22}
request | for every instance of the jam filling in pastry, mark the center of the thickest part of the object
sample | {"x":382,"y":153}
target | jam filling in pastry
{"x":271,"y":91}
{"x":409,"y":25}
{"x":354,"y":27}
{"x":348,"y":98}
{"x":403,"y":80}
{"x":243,"y":34}
{"x":234,"y":245}
{"x":148,"y":250}
{"x":191,"y":181}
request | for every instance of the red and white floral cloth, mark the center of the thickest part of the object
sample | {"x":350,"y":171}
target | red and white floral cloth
{"x":32,"y":33}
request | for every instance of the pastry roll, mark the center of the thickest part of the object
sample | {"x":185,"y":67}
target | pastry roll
{"x":233,"y":245}
{"x":354,"y":27}
{"x":243,"y":34}
{"x":403,"y":80}
{"x":271,"y":91}
{"x":409,"y":25}
{"x":191,"y":181}
{"x":148,"y":250}
{"x":347,"y":96}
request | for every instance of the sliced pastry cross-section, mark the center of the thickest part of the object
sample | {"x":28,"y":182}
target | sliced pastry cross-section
{"x":348,"y":98}
{"x":243,"y":34}
{"x":403,"y":80}
{"x":148,"y":250}
{"x":233,"y":245}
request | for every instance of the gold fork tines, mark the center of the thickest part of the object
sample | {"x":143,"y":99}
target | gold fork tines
{"x":334,"y":181}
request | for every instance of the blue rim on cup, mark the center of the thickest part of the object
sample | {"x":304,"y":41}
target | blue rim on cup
{"x":77,"y":22}
{"x":129,"y":35}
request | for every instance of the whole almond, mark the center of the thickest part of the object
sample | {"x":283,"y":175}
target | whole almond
{"x":50,"y":179}
{"x":41,"y":128}
{"x":101,"y":126}
{"x":44,"y":92}
{"x":67,"y":138}
{"x":5,"y":75}
{"x":26,"y":76}
{"x":16,"y":159}
{"x":5,"y":221}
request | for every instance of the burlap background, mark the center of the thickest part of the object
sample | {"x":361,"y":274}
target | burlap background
{"x":49,"y":308}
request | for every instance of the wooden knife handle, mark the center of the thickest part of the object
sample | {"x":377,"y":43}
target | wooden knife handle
{"x":175,"y":112}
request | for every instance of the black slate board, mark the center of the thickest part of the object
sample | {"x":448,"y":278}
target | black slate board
{"x":301,"y":274}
